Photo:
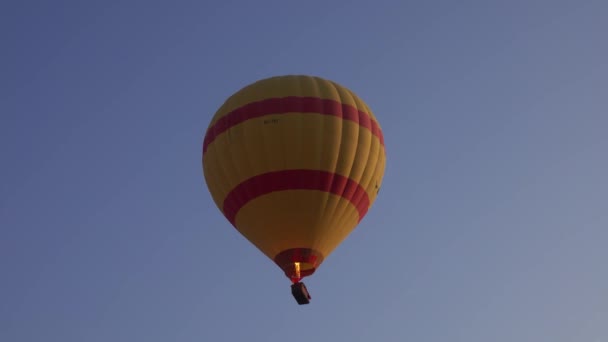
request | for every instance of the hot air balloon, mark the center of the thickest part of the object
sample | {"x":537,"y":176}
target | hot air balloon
{"x":294,"y":163}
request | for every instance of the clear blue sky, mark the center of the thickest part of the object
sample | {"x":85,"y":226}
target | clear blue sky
{"x":492,"y":224}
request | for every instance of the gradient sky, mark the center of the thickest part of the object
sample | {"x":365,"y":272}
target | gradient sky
{"x":492,"y":223}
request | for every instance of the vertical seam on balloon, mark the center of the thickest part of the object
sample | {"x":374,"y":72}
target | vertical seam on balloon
{"x":378,"y":174}
{"x":318,"y":136}
{"x":231,"y":159}
{"x":326,"y":196}
{"x":320,"y":215}
{"x":300,"y":140}
{"x":342,"y":206}
{"x":381,"y":156}
{"x":344,"y":216}
{"x":284,"y":148}
{"x":221,"y":176}
{"x":381,"y":153}
{"x":338,"y":205}
{"x":372,"y":176}
{"x":318,"y":240}
{"x":379,"y":150}
{"x":248,"y":161}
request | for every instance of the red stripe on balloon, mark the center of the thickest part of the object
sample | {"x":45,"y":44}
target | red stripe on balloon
{"x":295,"y":180}
{"x":291,"y":104}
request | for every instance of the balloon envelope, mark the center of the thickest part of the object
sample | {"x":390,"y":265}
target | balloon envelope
{"x":294,"y":163}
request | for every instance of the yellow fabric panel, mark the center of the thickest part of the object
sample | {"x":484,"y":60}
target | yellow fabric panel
{"x":296,"y":219}
{"x":294,"y":141}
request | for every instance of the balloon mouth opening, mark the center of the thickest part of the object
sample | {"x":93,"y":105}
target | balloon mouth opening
{"x":298,"y":270}
{"x":298,"y":263}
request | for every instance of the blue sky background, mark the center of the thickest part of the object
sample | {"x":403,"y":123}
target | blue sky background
{"x":492,"y":224}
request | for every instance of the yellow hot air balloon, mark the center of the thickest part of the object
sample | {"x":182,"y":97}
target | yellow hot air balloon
{"x":294,"y":163}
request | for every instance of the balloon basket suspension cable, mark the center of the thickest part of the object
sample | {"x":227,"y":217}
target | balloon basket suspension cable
{"x":298,"y":289}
